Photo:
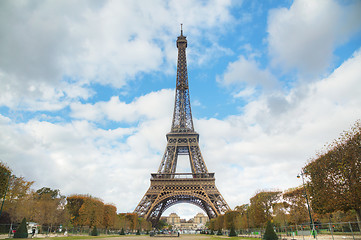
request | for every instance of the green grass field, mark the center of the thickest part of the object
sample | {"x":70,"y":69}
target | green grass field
{"x":195,"y":237}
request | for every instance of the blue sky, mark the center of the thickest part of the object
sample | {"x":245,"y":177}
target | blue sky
{"x":87,"y":90}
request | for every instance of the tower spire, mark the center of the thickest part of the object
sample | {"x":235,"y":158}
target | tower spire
{"x":182,"y":115}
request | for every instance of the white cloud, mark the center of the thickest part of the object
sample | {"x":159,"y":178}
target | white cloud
{"x":109,"y":43}
{"x":305,"y":36}
{"x":151,"y":106}
{"x":261,"y":149}
{"x":266,"y":147}
{"x":246,"y":72}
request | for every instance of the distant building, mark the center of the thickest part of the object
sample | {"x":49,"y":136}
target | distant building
{"x":198,"y":222}
{"x":173,"y":219}
{"x":200,"y":219}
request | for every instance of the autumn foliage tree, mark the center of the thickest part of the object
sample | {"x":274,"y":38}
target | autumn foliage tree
{"x":296,"y":201}
{"x":19,"y":201}
{"x":86,"y":210}
{"x":5,"y":174}
{"x":49,"y":207}
{"x":335,"y":175}
{"x":232,"y":220}
{"x":132,"y":220}
{"x":110,"y":216}
{"x":262,"y":206}
{"x":244,"y":215}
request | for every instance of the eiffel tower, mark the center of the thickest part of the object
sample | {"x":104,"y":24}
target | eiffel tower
{"x":167,"y":187}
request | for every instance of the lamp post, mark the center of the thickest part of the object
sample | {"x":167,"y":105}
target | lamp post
{"x":7,"y":186}
{"x":312,"y":225}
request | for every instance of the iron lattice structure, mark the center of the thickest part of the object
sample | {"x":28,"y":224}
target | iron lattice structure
{"x":168,"y":187}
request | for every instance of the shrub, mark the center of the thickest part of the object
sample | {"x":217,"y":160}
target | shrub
{"x":22,"y":231}
{"x":232,"y":233}
{"x":270,"y":232}
{"x":219,"y":232}
{"x":138,"y":232}
{"x":94,"y":232}
{"x":122,"y":232}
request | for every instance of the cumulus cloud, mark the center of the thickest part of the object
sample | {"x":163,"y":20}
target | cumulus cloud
{"x":305,"y":36}
{"x":264,"y":148}
{"x":47,"y":46}
{"x":247,"y":73}
{"x":260,"y":149}
{"x":149,"y":106}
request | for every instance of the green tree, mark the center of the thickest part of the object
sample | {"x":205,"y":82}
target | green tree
{"x":161,"y":224}
{"x":270,"y":232}
{"x":244,"y":215}
{"x":232,"y":220}
{"x":21,"y":231}
{"x":94,"y":232}
{"x":219,"y":223}
{"x":211,"y":224}
{"x":335,"y":175}
{"x":280,"y":216}
{"x":52,"y":193}
{"x":232,"y":233}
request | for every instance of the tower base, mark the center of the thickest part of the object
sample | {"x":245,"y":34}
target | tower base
{"x":167,"y":190}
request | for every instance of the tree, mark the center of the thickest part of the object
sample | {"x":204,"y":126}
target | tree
{"x":296,"y":200}
{"x":86,"y":210}
{"x":232,"y":233}
{"x":132,"y":219}
{"x":48,"y":192}
{"x":5,"y":174}
{"x":161,"y":224}
{"x":145,"y":225}
{"x":19,"y":202}
{"x":280,"y":216}
{"x":211,"y":225}
{"x":21,"y":231}
{"x":74,"y":203}
{"x":270,"y":232}
{"x":91,"y":212}
{"x":261,"y":207}
{"x":120,"y":221}
{"x":335,"y":175}
{"x":110,"y":216}
{"x":244,"y":215}
{"x":94,"y":232}
{"x":232,"y":220}
{"x":49,"y":207}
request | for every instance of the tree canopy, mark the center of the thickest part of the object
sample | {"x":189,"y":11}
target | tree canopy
{"x":335,"y":175}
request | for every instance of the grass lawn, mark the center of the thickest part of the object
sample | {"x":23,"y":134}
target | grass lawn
{"x":141,"y":237}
